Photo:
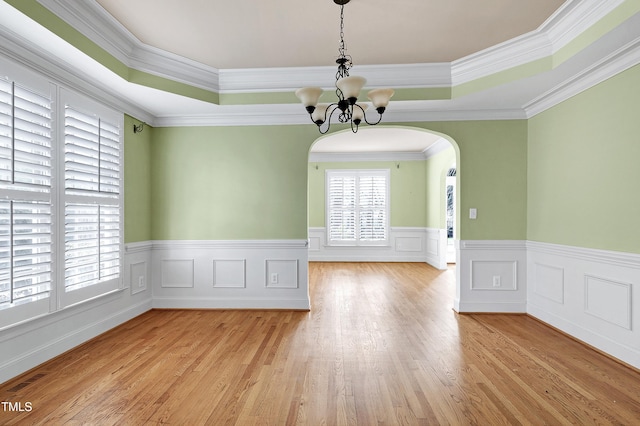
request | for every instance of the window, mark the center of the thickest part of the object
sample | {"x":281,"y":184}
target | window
{"x":357,"y":207}
{"x":92,"y":186}
{"x":60,"y":197}
{"x":92,"y":200}
{"x":25,"y":189}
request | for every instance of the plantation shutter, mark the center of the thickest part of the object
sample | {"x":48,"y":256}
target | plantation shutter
{"x":373,"y":211}
{"x":25,"y":186}
{"x":25,"y":138}
{"x":357,"y":207}
{"x":92,"y":210}
{"x":342,"y":208}
{"x":25,"y":251}
{"x":92,"y":155}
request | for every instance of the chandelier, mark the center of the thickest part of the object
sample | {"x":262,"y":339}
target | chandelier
{"x":348,"y":109}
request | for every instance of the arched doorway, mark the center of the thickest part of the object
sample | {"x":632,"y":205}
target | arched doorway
{"x":418,"y":161}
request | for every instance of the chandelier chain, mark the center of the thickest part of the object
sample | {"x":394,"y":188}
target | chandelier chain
{"x":346,"y":109}
{"x":344,"y":60}
{"x":341,"y":49}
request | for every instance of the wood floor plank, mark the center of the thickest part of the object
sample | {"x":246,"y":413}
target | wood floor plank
{"x":380,"y":346}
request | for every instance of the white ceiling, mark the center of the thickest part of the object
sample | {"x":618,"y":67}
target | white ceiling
{"x":234,"y":34}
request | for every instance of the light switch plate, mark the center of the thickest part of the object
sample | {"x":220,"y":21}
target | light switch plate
{"x":473,"y":213}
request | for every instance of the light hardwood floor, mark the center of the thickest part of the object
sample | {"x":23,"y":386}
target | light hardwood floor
{"x":380,"y":346}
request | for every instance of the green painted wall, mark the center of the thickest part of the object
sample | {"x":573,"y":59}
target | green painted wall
{"x":230,"y":183}
{"x":251,"y":182}
{"x":137,"y":182}
{"x":436,"y":170}
{"x":492,"y":176}
{"x":583,"y":171}
{"x":407,"y":189}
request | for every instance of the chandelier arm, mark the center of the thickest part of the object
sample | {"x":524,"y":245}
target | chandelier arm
{"x":325,"y":130}
{"x":370,"y":122}
{"x":346,"y":106}
{"x":327,"y":118}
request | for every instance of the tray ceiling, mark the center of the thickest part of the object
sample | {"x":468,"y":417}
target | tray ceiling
{"x":294,"y":33}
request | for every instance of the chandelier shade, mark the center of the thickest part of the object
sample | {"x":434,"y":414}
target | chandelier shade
{"x":348,"y":88}
{"x":309,"y":96}
{"x":358,"y":113}
{"x":380,"y":97}
{"x":351,"y":86}
{"x":319,"y":114}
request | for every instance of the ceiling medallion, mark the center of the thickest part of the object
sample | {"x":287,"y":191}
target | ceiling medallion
{"x":347,"y":90}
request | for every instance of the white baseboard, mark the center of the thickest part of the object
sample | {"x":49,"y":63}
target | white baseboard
{"x":589,"y":294}
{"x":37,"y":350}
{"x":255,"y":274}
{"x":406,"y":244}
{"x":491,"y":307}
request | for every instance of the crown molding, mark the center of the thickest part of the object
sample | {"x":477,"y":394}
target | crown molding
{"x":568,"y":22}
{"x":41,"y":58}
{"x":573,"y":18}
{"x":88,"y":17}
{"x":347,"y":157}
{"x":440,"y":145}
{"x":292,"y":114}
{"x":341,"y":157}
{"x":239,"y":115}
{"x":615,"y":63}
{"x":287,"y":79}
{"x":510,"y":54}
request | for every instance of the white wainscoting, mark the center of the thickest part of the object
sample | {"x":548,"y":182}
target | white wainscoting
{"x":241,"y":274}
{"x":405,"y":245}
{"x":593,"y":295}
{"x":26,"y":345}
{"x":491,"y":276}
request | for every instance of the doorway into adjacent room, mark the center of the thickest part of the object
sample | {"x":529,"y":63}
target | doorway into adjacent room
{"x":450,"y":213}
{"x":422,"y":227}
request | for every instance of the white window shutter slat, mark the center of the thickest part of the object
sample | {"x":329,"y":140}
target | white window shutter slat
{"x":357,"y":206}
{"x":25,"y":252}
{"x":92,"y":229}
{"x":25,"y":218}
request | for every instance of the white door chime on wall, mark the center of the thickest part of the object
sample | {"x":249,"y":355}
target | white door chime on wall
{"x":347,"y":89}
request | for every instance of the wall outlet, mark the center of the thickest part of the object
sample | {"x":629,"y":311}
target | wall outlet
{"x":140,"y":281}
{"x":274,"y":278}
{"x":496,"y":281}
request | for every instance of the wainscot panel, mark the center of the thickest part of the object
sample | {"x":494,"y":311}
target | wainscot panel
{"x":241,"y":274}
{"x":589,"y":294}
{"x":29,"y":344}
{"x":406,"y":244}
{"x":491,"y":276}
